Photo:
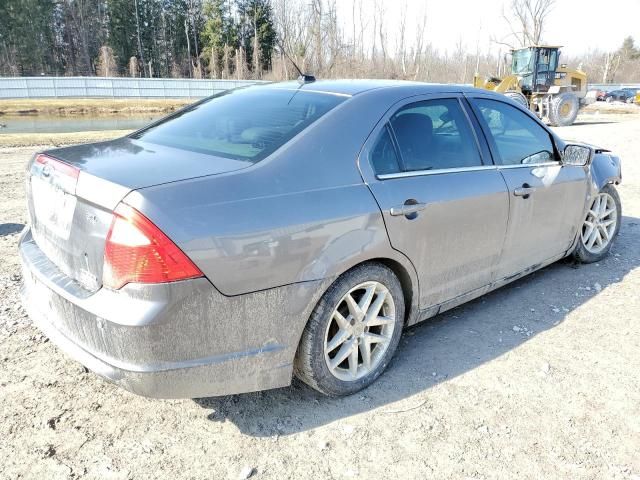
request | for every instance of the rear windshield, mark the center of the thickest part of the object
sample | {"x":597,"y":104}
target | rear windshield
{"x":246,"y":124}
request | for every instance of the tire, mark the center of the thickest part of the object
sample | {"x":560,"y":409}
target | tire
{"x":563,"y":109}
{"x":315,"y":355}
{"x":518,"y":98}
{"x":582,"y":252}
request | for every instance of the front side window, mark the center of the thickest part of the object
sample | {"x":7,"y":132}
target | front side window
{"x":433,"y":135}
{"x":246,"y":124}
{"x":522,"y":62}
{"x":518,"y":139}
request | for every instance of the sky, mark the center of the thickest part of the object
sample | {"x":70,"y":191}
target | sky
{"x":578,"y":25}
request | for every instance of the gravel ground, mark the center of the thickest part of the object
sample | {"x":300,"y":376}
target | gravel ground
{"x":536,"y":380}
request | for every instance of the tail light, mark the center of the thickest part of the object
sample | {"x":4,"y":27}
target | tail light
{"x":137,"y":251}
{"x":58,"y":166}
{"x":65,"y":175}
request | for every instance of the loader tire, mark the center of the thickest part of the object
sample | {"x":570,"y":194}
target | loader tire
{"x":518,"y":98}
{"x":563,"y":109}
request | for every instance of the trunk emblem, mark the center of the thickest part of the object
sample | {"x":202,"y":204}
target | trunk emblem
{"x":46,"y":170}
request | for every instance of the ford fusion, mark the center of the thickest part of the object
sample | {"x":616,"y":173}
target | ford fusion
{"x":296,"y":228}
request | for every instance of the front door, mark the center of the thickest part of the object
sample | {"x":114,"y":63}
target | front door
{"x":547,"y":198}
{"x":443,"y":207}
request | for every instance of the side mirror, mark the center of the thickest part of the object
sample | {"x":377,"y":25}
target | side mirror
{"x":578,"y":155}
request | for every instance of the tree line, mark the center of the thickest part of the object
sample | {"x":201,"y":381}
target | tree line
{"x":145,"y":38}
{"x":263,"y":39}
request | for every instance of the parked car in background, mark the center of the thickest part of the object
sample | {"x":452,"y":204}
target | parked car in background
{"x":599,"y":95}
{"x":623,"y":95}
{"x":297,"y":228}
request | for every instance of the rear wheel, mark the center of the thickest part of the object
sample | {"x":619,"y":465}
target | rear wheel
{"x":353,"y":332}
{"x":600,"y":226}
{"x":563,"y":109}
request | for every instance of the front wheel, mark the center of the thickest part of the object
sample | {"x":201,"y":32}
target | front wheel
{"x":600,"y":227}
{"x":353,"y":332}
{"x":563,"y":109}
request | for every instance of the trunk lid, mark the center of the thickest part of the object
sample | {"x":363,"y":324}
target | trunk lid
{"x":72,"y":192}
{"x":136,"y":164}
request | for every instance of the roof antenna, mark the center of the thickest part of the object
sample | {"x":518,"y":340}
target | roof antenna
{"x":302,"y":78}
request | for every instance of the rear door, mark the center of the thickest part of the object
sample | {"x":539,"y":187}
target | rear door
{"x":547,"y":198}
{"x":444,"y":204}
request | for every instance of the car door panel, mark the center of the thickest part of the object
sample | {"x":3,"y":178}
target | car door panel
{"x":546,"y":197}
{"x":543,"y":225}
{"x":450,"y":222}
{"x":456,"y":240}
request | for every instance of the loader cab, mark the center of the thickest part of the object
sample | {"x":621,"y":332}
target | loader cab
{"x":536,"y":65}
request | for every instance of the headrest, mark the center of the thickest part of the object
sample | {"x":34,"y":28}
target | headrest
{"x":413,"y":125}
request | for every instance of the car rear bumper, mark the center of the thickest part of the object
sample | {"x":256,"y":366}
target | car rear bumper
{"x":175,"y":340}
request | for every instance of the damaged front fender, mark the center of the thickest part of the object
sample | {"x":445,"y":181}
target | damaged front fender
{"x":605,"y":168}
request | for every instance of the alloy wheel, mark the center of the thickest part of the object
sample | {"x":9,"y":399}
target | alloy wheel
{"x":600,"y":225}
{"x":360,"y":331}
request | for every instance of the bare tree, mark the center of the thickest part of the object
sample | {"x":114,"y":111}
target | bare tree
{"x":134,"y":69}
{"x":140,"y":52}
{"x":194,"y":9}
{"x":400,"y":47}
{"x":611,"y":64}
{"x":186,"y":32}
{"x":226,"y":72}
{"x":106,"y":64}
{"x":526,"y":21}
{"x":421,"y":26}
{"x":241,"y":63}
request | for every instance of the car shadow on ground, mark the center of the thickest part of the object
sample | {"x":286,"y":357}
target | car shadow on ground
{"x":10,"y":228}
{"x":441,"y":348}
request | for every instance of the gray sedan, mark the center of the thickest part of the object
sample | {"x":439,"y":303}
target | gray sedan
{"x":296,"y":228}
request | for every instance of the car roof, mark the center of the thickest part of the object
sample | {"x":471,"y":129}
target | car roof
{"x":355,"y":87}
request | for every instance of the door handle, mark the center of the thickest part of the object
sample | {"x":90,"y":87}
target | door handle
{"x":524,"y":191}
{"x":407,"y":209}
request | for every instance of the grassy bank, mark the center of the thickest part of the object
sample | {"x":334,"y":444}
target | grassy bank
{"x":90,"y":106}
{"x":57,"y":139}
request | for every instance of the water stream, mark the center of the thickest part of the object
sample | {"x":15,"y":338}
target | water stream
{"x":45,"y":124}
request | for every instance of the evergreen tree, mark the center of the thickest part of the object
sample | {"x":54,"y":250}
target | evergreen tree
{"x":256,"y":28}
{"x":218,"y":31}
{"x":628,"y":50}
{"x":81,"y":28}
{"x":26,"y":37}
{"x":122,"y":31}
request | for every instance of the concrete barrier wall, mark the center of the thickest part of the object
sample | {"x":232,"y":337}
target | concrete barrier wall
{"x":608,"y":87}
{"x":113,"y":87}
{"x":122,"y":87}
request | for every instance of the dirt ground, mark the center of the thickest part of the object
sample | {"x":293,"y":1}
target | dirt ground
{"x":540,"y":379}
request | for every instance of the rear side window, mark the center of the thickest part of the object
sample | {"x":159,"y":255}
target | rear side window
{"x":383,"y":156}
{"x":435,"y":134}
{"x":246,"y":124}
{"x":518,"y":138}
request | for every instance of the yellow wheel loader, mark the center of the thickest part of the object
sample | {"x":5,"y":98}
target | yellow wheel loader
{"x":552,"y":92}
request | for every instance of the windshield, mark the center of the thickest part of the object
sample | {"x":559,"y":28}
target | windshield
{"x":246,"y":124}
{"x":522,"y":62}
